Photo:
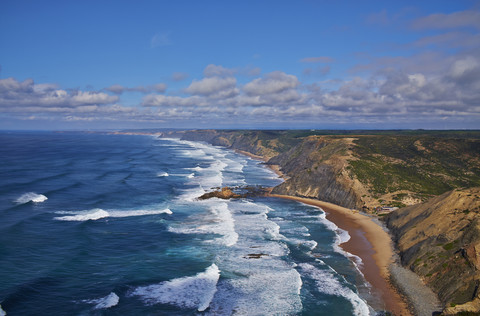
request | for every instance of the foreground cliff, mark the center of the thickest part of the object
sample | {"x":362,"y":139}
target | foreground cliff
{"x":440,"y":241}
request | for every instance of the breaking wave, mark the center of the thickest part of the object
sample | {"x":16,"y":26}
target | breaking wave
{"x":98,"y":213}
{"x":108,"y":301}
{"x":31,"y":197}
{"x":187,"y":292}
{"x":328,"y":284}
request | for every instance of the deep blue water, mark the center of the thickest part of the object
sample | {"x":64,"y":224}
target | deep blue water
{"x":95,"y":224}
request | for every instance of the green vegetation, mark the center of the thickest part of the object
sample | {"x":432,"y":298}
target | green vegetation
{"x":425,"y":165}
{"x":449,"y":246}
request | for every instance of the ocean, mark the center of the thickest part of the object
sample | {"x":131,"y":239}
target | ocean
{"x":98,"y":224}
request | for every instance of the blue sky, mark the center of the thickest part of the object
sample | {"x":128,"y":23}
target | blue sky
{"x":239,"y":64}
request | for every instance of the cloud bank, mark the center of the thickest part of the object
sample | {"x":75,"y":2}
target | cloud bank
{"x":425,"y":86}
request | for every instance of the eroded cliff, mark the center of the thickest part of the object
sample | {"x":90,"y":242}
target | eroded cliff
{"x":440,"y":241}
{"x":317,"y":169}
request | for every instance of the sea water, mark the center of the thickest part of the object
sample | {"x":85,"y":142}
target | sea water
{"x":97,"y":224}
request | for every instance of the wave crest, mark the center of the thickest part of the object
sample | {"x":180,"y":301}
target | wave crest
{"x":187,"y":292}
{"x":98,"y":213}
{"x":108,"y":301}
{"x":31,"y":197}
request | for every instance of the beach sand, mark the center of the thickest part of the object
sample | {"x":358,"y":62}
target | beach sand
{"x":369,"y":242}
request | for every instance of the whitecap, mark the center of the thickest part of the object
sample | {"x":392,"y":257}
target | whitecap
{"x":162,"y":174}
{"x":271,"y":291}
{"x":219,"y":221}
{"x":187,"y":292}
{"x":108,"y":301}
{"x":85,"y":216}
{"x":2,"y":312}
{"x":31,"y":197}
{"x":328,"y":284}
{"x":98,"y":213}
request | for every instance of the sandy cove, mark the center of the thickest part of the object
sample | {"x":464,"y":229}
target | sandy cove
{"x":369,"y":242}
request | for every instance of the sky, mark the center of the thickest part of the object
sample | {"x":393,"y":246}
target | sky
{"x":87,"y":65}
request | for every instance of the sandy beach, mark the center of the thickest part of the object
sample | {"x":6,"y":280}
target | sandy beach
{"x":369,"y":242}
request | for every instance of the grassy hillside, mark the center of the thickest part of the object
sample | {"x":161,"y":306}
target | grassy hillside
{"x":395,"y":168}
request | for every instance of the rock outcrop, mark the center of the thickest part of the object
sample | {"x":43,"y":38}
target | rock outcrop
{"x":227,"y":193}
{"x":224,"y":193}
{"x":440,"y":241}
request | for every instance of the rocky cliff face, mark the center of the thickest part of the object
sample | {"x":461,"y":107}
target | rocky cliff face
{"x":316,"y":168}
{"x":440,"y":241}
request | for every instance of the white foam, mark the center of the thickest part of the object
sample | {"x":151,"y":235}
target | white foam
{"x":310,"y":244}
{"x":162,"y":174}
{"x":108,"y":301}
{"x":273,"y":291}
{"x":98,"y":213}
{"x":85,"y":216}
{"x":328,"y":284}
{"x":341,"y":236}
{"x":187,"y":292}
{"x":2,"y":312}
{"x":31,"y":197}
{"x":219,"y":221}
{"x":191,"y":195}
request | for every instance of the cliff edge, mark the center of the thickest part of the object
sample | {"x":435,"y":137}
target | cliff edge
{"x":440,"y":241}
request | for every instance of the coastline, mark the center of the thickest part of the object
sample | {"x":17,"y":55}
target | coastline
{"x":274,"y":168}
{"x":369,"y":242}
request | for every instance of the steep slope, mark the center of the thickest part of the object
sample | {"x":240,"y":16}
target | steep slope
{"x":440,"y":241}
{"x":317,"y":169}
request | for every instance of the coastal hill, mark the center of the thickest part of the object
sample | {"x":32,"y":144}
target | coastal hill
{"x":440,"y":241}
{"x":360,"y":169}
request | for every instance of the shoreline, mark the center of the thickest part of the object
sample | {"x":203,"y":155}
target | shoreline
{"x":369,"y":242}
{"x":274,"y":168}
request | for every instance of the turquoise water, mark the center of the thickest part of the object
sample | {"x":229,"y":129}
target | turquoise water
{"x":95,"y":224}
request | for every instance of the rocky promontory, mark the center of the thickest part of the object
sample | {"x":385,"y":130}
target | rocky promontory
{"x":227,"y":193}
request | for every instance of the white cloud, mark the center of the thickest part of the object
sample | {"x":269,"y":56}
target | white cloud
{"x":24,"y":94}
{"x":217,"y":71}
{"x":464,"y":66}
{"x":172,"y":101}
{"x":211,"y":86}
{"x":273,"y":82}
{"x":119,"y":89}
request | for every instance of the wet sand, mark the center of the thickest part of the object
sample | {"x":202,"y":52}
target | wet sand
{"x":369,"y":242}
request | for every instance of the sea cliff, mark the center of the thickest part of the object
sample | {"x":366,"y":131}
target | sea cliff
{"x":440,"y":241}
